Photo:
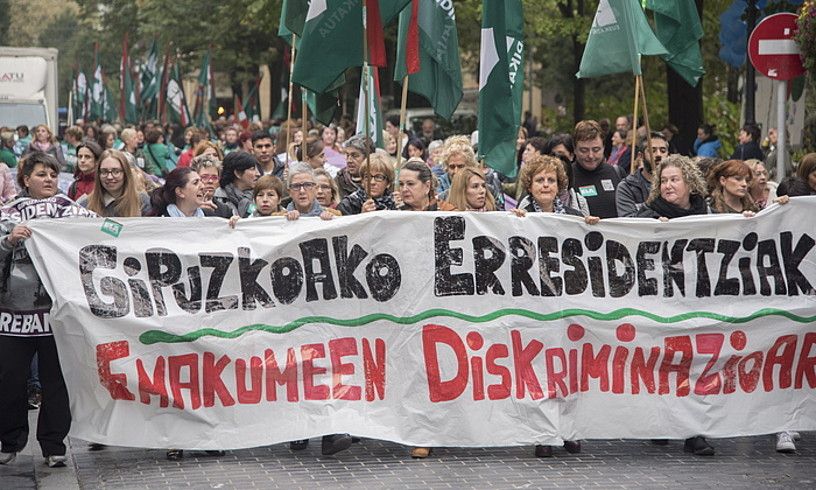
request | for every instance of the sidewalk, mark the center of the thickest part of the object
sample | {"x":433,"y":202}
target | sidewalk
{"x":749,"y":462}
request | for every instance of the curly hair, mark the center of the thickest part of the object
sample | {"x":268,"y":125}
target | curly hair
{"x":730,"y":168}
{"x":458,"y":145}
{"x":543,"y":163}
{"x":691,"y":176}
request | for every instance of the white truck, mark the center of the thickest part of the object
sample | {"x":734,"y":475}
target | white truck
{"x":28,"y":87}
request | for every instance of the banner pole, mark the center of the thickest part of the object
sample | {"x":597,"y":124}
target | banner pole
{"x":403,"y":110}
{"x":632,"y":162}
{"x":304,"y":122}
{"x":366,"y":89}
{"x":646,"y":121}
{"x":289,"y":101}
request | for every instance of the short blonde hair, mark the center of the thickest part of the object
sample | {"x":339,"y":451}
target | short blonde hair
{"x":378,"y":162}
{"x":458,"y":145}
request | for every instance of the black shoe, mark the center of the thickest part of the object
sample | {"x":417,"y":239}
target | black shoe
{"x":572,"y":447}
{"x":660,"y":442}
{"x":34,"y":398}
{"x":216,"y":452}
{"x":355,"y":440}
{"x":174,"y":454}
{"x":299,"y":445}
{"x":335,"y":443}
{"x":95,"y":446}
{"x":543,"y":451}
{"x":698,"y":446}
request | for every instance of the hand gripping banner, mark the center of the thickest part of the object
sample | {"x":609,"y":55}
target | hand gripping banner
{"x":433,"y":329}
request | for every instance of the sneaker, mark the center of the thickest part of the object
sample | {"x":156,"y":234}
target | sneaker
{"x":572,"y":447}
{"x":175,"y":454}
{"x":6,"y":458}
{"x":34,"y":398}
{"x":55,"y":461}
{"x":95,"y":446}
{"x":698,"y":446}
{"x":784,"y":443}
{"x":299,"y":445}
{"x":420,"y":452}
{"x":794,"y":435}
{"x":543,"y":451}
{"x":335,"y":443}
{"x":216,"y":452}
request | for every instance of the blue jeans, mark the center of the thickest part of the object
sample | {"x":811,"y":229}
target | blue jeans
{"x":34,"y":373}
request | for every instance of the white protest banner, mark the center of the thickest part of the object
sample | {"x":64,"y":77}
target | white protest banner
{"x":433,"y":329}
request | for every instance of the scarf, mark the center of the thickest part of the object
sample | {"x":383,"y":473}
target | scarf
{"x":44,"y":147}
{"x":315,"y":210}
{"x":558,"y":206}
{"x":386,"y":201}
{"x":174,"y":212}
{"x":668,"y":210}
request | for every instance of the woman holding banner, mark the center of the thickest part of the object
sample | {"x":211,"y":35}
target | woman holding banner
{"x":88,"y":154}
{"x":23,"y":296}
{"x":377,"y":189}
{"x":730,"y":184}
{"x":416,"y":188}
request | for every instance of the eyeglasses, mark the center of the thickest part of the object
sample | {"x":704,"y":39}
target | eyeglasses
{"x":302,"y":185}
{"x":113,"y":172}
{"x":378,"y":178}
{"x":324,"y":187}
{"x":209,"y":178}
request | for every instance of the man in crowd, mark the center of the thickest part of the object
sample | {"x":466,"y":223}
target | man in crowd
{"x":593,"y":178}
{"x":748,"y":144}
{"x":73,"y":137}
{"x":635,"y":188}
{"x":263,"y":147}
{"x":348,"y":179}
{"x":231,"y":140}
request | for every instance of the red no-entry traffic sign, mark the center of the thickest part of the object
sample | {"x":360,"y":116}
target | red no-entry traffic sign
{"x":773,"y":50}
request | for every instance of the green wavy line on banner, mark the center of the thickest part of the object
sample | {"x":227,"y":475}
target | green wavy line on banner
{"x":158,"y":336}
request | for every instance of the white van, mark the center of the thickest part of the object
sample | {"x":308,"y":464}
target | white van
{"x":28,"y":87}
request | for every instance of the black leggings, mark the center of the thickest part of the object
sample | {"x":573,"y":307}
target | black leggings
{"x":54,"y":419}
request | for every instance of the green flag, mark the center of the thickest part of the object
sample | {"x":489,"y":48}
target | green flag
{"x":199,"y":110}
{"x":677,"y":26}
{"x":177,"y":109}
{"x":619,"y":35}
{"x":439,"y":79}
{"x":127,"y":108}
{"x":501,"y":83}
{"x":109,"y":110}
{"x":252,"y":104}
{"x":151,"y":81}
{"x":332,"y":42}
{"x":292,"y":19}
{"x":374,"y":115}
{"x":97,"y":92}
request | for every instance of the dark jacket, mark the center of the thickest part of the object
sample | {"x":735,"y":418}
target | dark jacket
{"x":748,"y":151}
{"x":631,"y":194}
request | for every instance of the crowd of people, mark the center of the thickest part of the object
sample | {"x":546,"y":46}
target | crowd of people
{"x":236,"y":173}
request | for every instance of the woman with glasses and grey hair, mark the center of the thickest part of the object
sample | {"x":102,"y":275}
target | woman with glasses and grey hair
{"x":302,"y":187}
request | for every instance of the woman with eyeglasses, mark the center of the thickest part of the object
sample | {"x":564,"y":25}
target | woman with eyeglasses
{"x":115,"y":193}
{"x":376,"y":193}
{"x":303,"y":194}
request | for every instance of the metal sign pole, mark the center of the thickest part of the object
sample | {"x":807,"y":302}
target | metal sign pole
{"x":781,"y":147}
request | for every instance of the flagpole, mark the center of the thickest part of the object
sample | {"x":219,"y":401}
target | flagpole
{"x":304,"y":106}
{"x":289,"y":101}
{"x":646,"y":118}
{"x":366,"y":89}
{"x":403,"y":110}
{"x":633,"y":162}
